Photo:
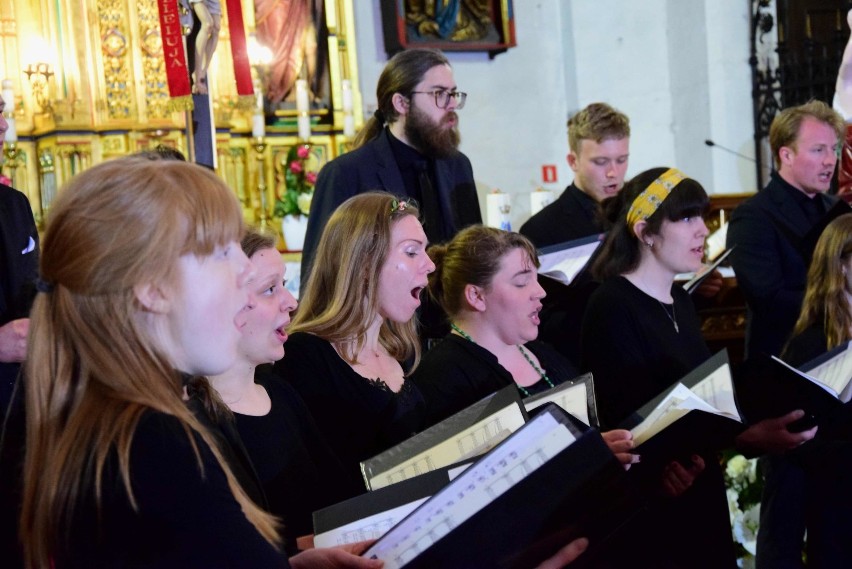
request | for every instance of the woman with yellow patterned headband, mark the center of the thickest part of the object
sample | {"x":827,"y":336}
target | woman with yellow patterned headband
{"x":640,"y":334}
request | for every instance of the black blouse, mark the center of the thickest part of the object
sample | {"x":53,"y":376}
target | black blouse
{"x":358,"y":417}
{"x":457,"y":373}
{"x":295,"y":466}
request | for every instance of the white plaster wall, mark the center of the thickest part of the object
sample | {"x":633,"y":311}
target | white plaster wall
{"x":678,"y":68}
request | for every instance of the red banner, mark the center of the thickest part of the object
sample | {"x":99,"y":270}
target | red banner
{"x":239,"y":52}
{"x":177,"y":72}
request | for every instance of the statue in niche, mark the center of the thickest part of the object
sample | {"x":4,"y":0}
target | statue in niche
{"x":209,"y":14}
{"x":295,"y":32}
{"x":455,"y":20}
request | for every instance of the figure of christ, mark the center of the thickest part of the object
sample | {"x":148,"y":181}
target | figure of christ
{"x":209,"y":13}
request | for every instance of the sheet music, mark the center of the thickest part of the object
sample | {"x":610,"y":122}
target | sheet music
{"x":677,"y":403}
{"x":566,"y":264}
{"x":717,"y":389}
{"x":715,"y":244}
{"x":478,"y":486}
{"x":704,"y":270}
{"x":810,"y":378}
{"x":836,"y":373}
{"x":573,"y":399}
{"x":371,"y":527}
{"x":474,"y":441}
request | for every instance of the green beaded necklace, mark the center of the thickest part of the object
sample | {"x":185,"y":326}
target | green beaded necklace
{"x":521,"y":349}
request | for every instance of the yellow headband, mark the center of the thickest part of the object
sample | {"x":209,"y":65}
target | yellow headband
{"x":653,"y":196}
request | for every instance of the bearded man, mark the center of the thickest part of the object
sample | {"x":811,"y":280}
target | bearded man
{"x":409,"y":148}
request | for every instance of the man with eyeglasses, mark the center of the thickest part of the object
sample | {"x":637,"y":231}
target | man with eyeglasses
{"x":409,"y":147}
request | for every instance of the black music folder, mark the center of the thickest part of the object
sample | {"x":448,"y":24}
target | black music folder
{"x":564,"y":262}
{"x":692,"y":284}
{"x":576,"y":396}
{"x":548,"y":483}
{"x":696,"y":415}
{"x":471,"y":432}
{"x":767,"y":387}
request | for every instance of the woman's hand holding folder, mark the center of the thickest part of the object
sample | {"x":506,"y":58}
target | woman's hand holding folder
{"x":620,"y":442}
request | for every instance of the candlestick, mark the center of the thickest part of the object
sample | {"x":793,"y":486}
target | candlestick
{"x":260,"y":148}
{"x":11,"y":153}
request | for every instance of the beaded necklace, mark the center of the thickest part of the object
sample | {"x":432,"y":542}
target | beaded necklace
{"x":524,"y":353}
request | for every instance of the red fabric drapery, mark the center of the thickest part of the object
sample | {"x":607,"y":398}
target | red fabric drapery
{"x":177,"y":72}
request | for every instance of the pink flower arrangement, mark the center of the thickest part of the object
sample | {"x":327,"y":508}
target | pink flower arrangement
{"x":298,"y":183}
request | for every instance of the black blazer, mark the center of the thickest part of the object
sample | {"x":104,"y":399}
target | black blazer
{"x":373,"y":167}
{"x":774,"y":243}
{"x":18,"y":254}
{"x":18,"y":270}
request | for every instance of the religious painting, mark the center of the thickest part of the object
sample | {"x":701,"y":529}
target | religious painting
{"x":297,"y":34}
{"x":450,"y":25}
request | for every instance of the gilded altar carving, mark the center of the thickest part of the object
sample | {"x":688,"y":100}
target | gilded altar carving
{"x":98,"y":90}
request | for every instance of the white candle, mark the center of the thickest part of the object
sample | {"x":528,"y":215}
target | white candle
{"x":539,"y":199}
{"x":347,"y":96}
{"x":11,"y":131}
{"x":9,"y":96}
{"x":348,"y":125}
{"x":495,"y":204}
{"x":304,"y":127}
{"x":258,"y":125}
{"x":302,"y":103}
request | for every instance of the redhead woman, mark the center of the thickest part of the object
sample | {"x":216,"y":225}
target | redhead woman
{"x":143,"y":286}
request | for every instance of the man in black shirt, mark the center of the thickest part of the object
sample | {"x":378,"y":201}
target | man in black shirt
{"x":599,"y":141}
{"x":775,"y":233}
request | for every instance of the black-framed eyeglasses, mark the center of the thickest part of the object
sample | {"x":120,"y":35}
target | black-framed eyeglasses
{"x":442,"y":97}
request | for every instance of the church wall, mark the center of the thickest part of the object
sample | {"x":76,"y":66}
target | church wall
{"x":678,"y":68}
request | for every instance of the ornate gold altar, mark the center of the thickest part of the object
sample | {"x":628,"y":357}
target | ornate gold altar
{"x":90,"y":86}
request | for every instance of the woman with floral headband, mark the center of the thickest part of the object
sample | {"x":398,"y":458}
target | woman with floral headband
{"x":354,"y":340}
{"x":641,"y":334}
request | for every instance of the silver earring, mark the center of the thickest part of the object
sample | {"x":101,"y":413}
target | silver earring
{"x":649,"y":244}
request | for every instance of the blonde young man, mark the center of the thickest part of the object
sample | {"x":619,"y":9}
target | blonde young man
{"x":599,"y":142}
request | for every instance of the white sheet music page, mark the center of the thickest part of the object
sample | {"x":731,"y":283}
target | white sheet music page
{"x":474,"y":441}
{"x":809,"y":377}
{"x":836,"y":373}
{"x":542,"y":439}
{"x":573,"y":399}
{"x":717,"y":389}
{"x":371,"y":527}
{"x":566,"y":264}
{"x":677,"y":403}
